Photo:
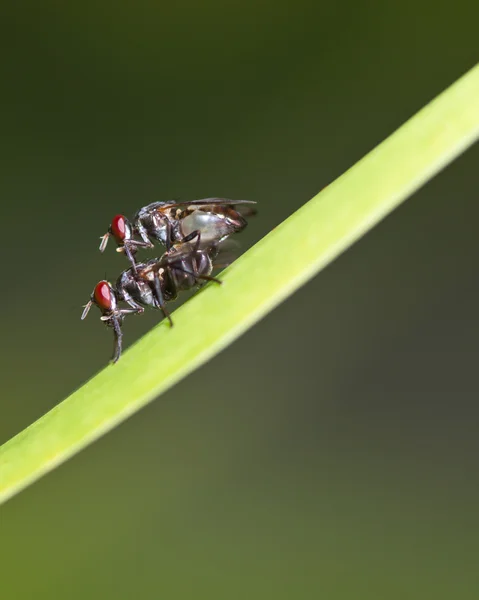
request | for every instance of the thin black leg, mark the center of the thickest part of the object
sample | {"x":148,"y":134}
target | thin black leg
{"x":196,"y":234}
{"x":160,"y":298}
{"x":118,"y":339}
{"x":190,"y":237}
{"x":130,"y":256}
{"x":131,"y":246}
{"x":196,"y":276}
{"x":169,"y":236}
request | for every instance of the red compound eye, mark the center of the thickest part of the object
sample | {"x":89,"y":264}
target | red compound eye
{"x":102,"y":295}
{"x":118,"y":228}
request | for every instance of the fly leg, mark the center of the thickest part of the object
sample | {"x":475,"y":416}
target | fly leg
{"x":196,"y":234}
{"x":139,"y":229}
{"x":118,"y":338}
{"x":135,"y":307}
{"x":169,"y":236}
{"x":131,"y":311}
{"x":160,"y":298}
{"x":130,"y":247}
{"x":114,"y":320}
{"x":196,"y":276}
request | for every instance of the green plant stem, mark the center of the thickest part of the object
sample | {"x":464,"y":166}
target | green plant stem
{"x":272,"y":270}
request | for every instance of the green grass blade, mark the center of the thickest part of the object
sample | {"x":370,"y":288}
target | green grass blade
{"x":272,"y":270}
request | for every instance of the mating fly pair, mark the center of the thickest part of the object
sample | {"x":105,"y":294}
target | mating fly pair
{"x":192,"y":233}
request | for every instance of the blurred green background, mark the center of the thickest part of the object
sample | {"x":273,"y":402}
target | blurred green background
{"x":332,"y":451}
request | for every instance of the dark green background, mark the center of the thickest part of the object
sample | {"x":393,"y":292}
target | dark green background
{"x":332,"y":451}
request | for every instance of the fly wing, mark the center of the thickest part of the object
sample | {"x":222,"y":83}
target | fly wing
{"x":220,"y":201}
{"x":225,"y":253}
{"x":203,"y":202}
{"x":245,"y":207}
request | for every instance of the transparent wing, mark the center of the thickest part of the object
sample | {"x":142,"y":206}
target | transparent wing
{"x":203,"y":202}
